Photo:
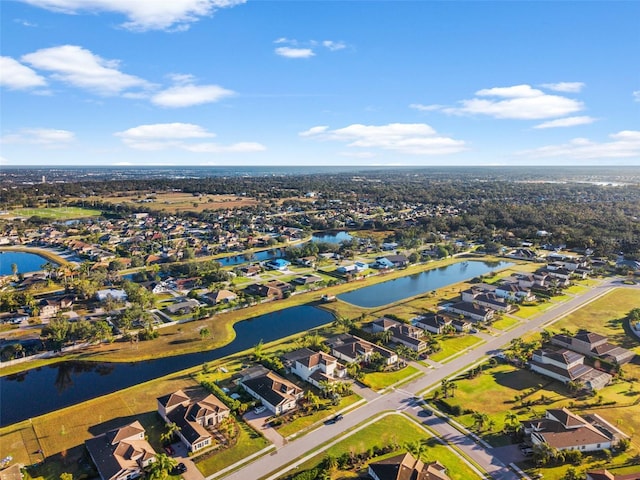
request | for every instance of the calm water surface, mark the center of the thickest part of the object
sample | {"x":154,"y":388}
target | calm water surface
{"x":26,"y":262}
{"x":394,"y":290}
{"x":49,"y":388}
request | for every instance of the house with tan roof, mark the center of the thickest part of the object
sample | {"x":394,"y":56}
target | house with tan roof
{"x":355,"y":349}
{"x":402,"y":333}
{"x":406,"y":467}
{"x":568,"y":366}
{"x":193,"y":417}
{"x":276,"y":393}
{"x":564,"y":430}
{"x":593,"y":345}
{"x":605,"y":474}
{"x":314,"y":367}
{"x":122,"y":453}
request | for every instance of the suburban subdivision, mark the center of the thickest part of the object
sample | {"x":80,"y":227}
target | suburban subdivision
{"x":300,"y":333}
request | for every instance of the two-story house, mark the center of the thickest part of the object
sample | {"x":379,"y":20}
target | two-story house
{"x":314,"y":367}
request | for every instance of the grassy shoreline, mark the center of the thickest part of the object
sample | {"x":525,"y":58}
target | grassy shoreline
{"x":46,"y":254}
{"x":184,"y":338}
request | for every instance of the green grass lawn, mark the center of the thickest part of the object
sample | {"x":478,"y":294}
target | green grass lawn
{"x":249,"y":442}
{"x":379,"y":380}
{"x":395,"y":429}
{"x":327,"y":410}
{"x":530,"y":311}
{"x":454,"y":345}
{"x":606,"y":317}
{"x":57,"y":213}
{"x":505,"y":323}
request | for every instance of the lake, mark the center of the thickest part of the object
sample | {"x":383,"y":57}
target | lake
{"x":45,"y":389}
{"x":331,"y":237}
{"x":405,"y":287}
{"x":26,"y":262}
{"x":260,"y":256}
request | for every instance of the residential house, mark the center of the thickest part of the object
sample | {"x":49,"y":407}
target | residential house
{"x":49,"y":307}
{"x":278,"y":264}
{"x":402,"y":333}
{"x":406,"y":467}
{"x":314,"y":367}
{"x":278,"y":394}
{"x":183,"y":307}
{"x":249,"y":270}
{"x":564,"y":430}
{"x":122,"y":453}
{"x":116,"y":294}
{"x":593,"y":345}
{"x":354,"y":349}
{"x":352,"y":269}
{"x":433,"y":322}
{"x":532,"y":280}
{"x":14,"y":318}
{"x":514,"y":292}
{"x":471,"y":310}
{"x":219,"y":296}
{"x":493,"y":302}
{"x":307,"y":279}
{"x":605,"y":474}
{"x":192,"y":417}
{"x":259,"y":290}
{"x":568,"y":366}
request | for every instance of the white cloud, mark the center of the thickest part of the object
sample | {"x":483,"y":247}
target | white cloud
{"x":24,"y":23}
{"x":426,"y":108}
{"x":358,"y":154}
{"x":408,"y":138}
{"x":143,"y":14}
{"x":162,"y":136}
{"x":520,"y":102}
{"x":17,"y":76}
{"x":566,"y":122}
{"x":190,"y":95}
{"x":48,"y":137}
{"x":81,"y":68}
{"x":290,"y":52}
{"x":623,"y":144}
{"x":566,"y":87}
{"x":333,"y":45}
{"x":636,"y":95}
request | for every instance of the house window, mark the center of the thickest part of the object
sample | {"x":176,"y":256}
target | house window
{"x":598,"y":446}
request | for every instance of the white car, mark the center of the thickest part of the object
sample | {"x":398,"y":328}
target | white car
{"x":258,"y":410}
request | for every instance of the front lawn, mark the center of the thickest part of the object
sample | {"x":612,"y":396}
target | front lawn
{"x":394,"y":429}
{"x":248,"y":443}
{"x":305,"y":421}
{"x":452,"y":346}
{"x":379,"y":380}
{"x":505,"y":323}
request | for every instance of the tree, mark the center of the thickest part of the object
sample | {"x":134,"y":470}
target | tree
{"x":161,"y":467}
{"x":480,"y":420}
{"x":66,"y":476}
{"x":544,"y":454}
{"x":258,"y":350}
{"x":417,"y":449}
{"x":445,"y":384}
{"x":204,"y":333}
{"x":511,"y":421}
{"x":453,"y":386}
{"x":14,"y":270}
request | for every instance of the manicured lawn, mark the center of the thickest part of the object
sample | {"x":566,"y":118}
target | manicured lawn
{"x":606,"y":316}
{"x":380,"y":380}
{"x":249,"y":442}
{"x":327,"y":410}
{"x":396,"y":429}
{"x":57,"y":213}
{"x":505,"y":323}
{"x":530,"y":311}
{"x":454,"y":345}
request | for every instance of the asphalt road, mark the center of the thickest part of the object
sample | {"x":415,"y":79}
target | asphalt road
{"x":396,"y":399}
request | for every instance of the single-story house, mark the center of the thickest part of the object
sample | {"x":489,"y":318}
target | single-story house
{"x":276,"y":393}
{"x":116,"y":294}
{"x":406,"y":467}
{"x":277,"y":264}
{"x":219,"y":296}
{"x":122,"y":453}
{"x":307,"y":279}
{"x":192,"y":417}
{"x":471,"y":310}
{"x":564,"y":430}
{"x":605,"y":474}
{"x":184,"y":307}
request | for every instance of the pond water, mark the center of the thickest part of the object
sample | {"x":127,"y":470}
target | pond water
{"x":331,"y":237}
{"x":260,"y":256}
{"x":26,"y":262}
{"x":41,"y":390}
{"x":394,"y":290}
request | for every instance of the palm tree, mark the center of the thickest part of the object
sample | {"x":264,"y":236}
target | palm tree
{"x":258,"y":350}
{"x":417,"y":448}
{"x":511,"y":419}
{"x":445,"y":383}
{"x":480,"y":420}
{"x":386,"y":336}
{"x":452,"y":387}
{"x":161,"y":467}
{"x":14,"y":270}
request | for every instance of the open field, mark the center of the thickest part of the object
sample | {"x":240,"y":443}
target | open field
{"x":453,"y":345}
{"x":56,"y":213}
{"x":386,"y":431}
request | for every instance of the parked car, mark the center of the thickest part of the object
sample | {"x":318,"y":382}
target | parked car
{"x":180,"y":468}
{"x":335,"y":419}
{"x":259,"y":409}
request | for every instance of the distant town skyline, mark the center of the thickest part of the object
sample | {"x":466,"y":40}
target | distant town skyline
{"x":380,"y":83}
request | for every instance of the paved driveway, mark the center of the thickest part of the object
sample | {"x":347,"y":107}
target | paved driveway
{"x":259,"y":423}
{"x":181,"y":456}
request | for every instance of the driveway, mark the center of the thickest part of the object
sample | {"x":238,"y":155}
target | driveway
{"x":181,"y":456}
{"x":260,"y":423}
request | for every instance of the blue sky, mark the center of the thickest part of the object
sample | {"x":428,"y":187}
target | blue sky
{"x":229,"y":82}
